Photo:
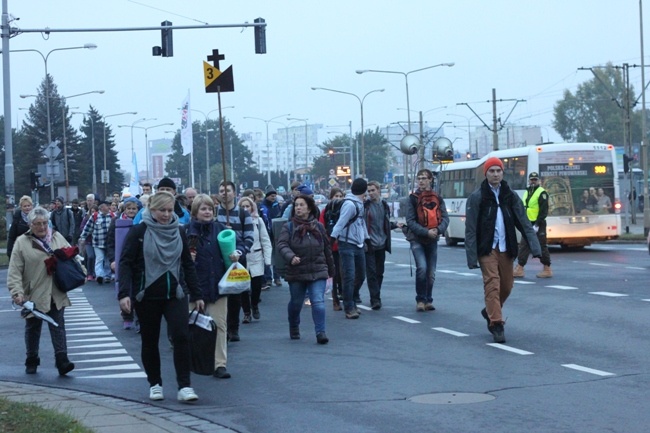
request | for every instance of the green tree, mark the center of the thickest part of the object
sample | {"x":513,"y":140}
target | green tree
{"x":594,"y":113}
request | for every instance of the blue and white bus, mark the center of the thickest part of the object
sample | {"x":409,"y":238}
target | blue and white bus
{"x":566,"y":171}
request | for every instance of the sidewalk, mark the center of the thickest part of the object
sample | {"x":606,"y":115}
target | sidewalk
{"x":107,"y":414}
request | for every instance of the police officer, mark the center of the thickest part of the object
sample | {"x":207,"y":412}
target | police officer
{"x":536,"y":204}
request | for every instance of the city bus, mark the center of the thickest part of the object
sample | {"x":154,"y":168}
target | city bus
{"x":566,"y":171}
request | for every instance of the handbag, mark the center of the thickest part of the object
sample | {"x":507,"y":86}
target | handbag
{"x":203,"y":340}
{"x":68,"y":274}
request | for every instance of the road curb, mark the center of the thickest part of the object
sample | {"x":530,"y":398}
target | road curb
{"x":106,"y":414}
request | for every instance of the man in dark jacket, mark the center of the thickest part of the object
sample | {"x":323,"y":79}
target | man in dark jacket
{"x":493,"y":211}
{"x":379,"y":227}
{"x":63,"y":219}
{"x":78,"y":214}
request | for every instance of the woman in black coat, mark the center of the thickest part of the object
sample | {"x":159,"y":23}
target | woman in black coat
{"x":19,"y":224}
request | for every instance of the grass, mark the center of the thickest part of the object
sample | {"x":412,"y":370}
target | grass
{"x":29,"y":418}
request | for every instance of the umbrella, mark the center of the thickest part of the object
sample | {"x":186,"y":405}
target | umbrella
{"x":28,"y":307}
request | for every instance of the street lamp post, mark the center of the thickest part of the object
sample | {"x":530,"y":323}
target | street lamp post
{"x":306,"y":140}
{"x":362,"y":169}
{"x":92,"y":141}
{"x":146,"y":139}
{"x":104,"y":123}
{"x":144,"y":119}
{"x":408,"y":102}
{"x":47,"y":89}
{"x":268,"y":145}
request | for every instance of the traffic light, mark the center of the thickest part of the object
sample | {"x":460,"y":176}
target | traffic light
{"x":330,"y":153}
{"x":626,"y":163}
{"x":167,"y":42}
{"x":260,"y":37}
{"x":34,"y":180}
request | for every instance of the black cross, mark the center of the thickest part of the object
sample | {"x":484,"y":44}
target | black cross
{"x":215,"y":57}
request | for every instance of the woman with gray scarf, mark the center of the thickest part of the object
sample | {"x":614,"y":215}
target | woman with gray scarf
{"x":152,"y":256}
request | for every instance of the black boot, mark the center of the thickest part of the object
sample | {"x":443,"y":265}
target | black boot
{"x":63,"y":364}
{"x":31,"y":364}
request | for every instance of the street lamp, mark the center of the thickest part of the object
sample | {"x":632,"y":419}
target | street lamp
{"x":362,"y":170}
{"x":144,"y":119}
{"x":268,"y":145}
{"x":45,"y":57}
{"x":408,"y":102}
{"x":296,"y":119}
{"x":105,"y":175}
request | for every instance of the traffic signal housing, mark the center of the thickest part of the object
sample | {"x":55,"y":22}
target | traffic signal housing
{"x":626,"y":163}
{"x":166,"y":48}
{"x":260,"y":36}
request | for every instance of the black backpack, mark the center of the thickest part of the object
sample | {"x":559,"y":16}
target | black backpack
{"x":333,"y":213}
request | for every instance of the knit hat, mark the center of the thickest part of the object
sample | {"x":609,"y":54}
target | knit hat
{"x":491,"y":162}
{"x":133,"y":200}
{"x":304,"y":189}
{"x":359,"y":186}
{"x":167,"y":183}
{"x":61,"y":199}
{"x":270,"y":191}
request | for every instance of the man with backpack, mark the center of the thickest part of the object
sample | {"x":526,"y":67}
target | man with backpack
{"x":426,"y":221}
{"x":377,"y":216}
{"x":351,"y":233}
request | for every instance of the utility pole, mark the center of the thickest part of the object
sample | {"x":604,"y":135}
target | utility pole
{"x":497,"y":124}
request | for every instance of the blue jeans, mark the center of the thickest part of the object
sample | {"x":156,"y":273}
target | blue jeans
{"x":316,"y":290}
{"x":353,"y":272}
{"x":426,"y":259}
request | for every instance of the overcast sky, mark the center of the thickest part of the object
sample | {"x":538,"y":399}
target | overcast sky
{"x":525,"y":49}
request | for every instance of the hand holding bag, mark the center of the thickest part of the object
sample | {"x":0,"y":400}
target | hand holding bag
{"x":203,"y":340}
{"x":236,"y":280}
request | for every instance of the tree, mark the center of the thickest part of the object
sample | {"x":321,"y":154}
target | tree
{"x":177,"y":164}
{"x":594,"y":113}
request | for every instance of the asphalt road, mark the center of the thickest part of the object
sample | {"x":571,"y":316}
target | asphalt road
{"x":576,"y":357}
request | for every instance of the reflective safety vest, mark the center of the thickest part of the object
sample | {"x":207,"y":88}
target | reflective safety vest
{"x":532,"y":203}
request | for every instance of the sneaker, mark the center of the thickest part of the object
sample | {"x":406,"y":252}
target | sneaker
{"x":187,"y":394}
{"x":294,"y":333}
{"x":90,"y":278}
{"x":127,"y":325}
{"x":256,"y":313}
{"x":233,"y":336}
{"x":321,"y":338}
{"x":100,"y":280}
{"x":156,"y":393}
{"x":353,"y":314}
{"x":487,"y":318}
{"x":221,"y":373}
{"x":278,"y":282}
{"x":308,"y":302}
{"x":419,"y":306}
{"x":498,"y":333}
{"x":266,"y":286}
{"x":429,"y":307}
{"x":247,"y":318}
{"x":376,"y":305}
{"x":337,"y":305}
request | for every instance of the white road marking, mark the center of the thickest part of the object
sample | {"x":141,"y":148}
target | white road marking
{"x":113,"y":359}
{"x":601,"y":264}
{"x":111,"y":367}
{"x":646,"y":300}
{"x":524,"y":282}
{"x":118,"y":344}
{"x":609,"y":294}
{"x":450,"y":332}
{"x":563,"y":287}
{"x":402,"y":265}
{"x":363,"y":307}
{"x":115,"y":376}
{"x":635,"y":268}
{"x":510,"y":349}
{"x":469,"y":274}
{"x":588,"y":370}
{"x":103,"y":352}
{"x":405,"y":319}
{"x":93,"y":339}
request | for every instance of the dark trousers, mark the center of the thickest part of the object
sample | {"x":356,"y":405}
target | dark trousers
{"x":33,"y":327}
{"x":234,"y":305}
{"x":524,"y":249}
{"x":337,"y":287}
{"x":176,"y":313}
{"x":375,"y":259}
{"x":252,"y":297}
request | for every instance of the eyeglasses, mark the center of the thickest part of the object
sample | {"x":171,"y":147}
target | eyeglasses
{"x":423,"y":178}
{"x":40,"y":224}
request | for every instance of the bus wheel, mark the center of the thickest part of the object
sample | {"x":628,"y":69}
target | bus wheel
{"x":451,"y":242}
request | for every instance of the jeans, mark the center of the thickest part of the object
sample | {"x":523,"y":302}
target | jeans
{"x":90,"y":259}
{"x":426,"y":260}
{"x":316,"y":290}
{"x":353,"y":270}
{"x":102,"y":267}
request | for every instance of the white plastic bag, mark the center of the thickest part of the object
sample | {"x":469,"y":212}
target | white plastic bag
{"x":329,"y":285}
{"x":202,"y":320}
{"x":235,"y":281}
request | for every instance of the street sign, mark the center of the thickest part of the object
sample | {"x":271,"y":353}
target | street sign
{"x":215,"y":79}
{"x":106,"y":177}
{"x":52,"y":150}
{"x":388,"y":177}
{"x":332,"y":182}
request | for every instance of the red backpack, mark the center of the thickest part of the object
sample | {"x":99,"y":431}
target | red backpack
{"x":427,"y":208}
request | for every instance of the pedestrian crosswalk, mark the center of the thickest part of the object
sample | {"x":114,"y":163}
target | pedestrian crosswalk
{"x":92,"y":346}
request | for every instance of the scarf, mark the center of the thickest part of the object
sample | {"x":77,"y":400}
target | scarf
{"x":24,"y":215}
{"x":301,"y":227}
{"x":162,"y":248}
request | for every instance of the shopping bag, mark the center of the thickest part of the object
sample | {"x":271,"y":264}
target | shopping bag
{"x":329,"y":285}
{"x":235,"y":281}
{"x":203,"y":340}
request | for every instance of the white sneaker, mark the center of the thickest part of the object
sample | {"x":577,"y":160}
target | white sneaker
{"x":156,"y":393}
{"x":187,"y":394}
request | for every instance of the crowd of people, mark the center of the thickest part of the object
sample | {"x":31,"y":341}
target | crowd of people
{"x":170,"y":262}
